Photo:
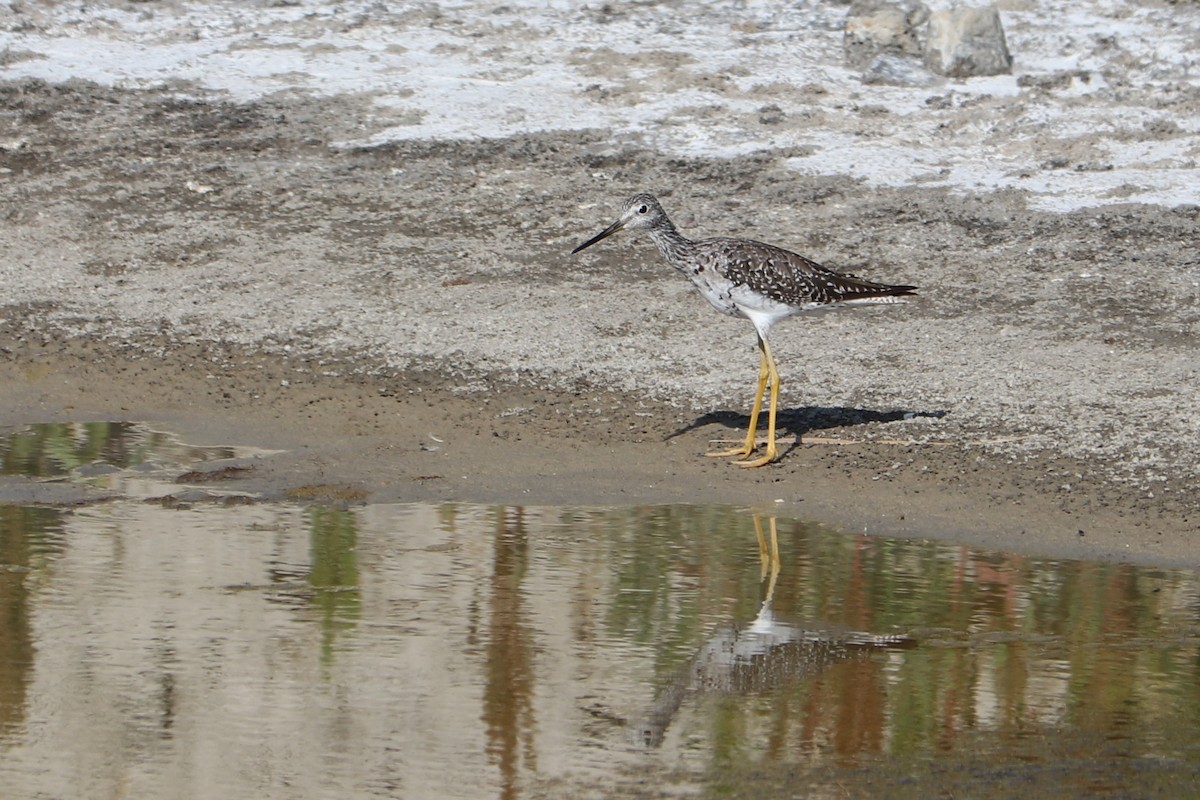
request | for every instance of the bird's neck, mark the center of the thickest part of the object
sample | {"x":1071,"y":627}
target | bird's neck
{"x":671,"y":243}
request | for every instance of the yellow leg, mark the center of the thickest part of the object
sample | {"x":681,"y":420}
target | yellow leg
{"x":775,"y":565}
{"x":772,"y":376}
{"x":748,"y":447}
{"x":768,"y":559}
{"x":764,"y":556}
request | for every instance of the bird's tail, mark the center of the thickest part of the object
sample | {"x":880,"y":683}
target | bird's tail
{"x":861,"y":293}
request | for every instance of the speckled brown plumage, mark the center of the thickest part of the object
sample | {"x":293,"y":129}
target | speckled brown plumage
{"x":791,"y":278}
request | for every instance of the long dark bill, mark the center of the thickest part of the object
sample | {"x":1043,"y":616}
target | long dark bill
{"x":609,"y":231}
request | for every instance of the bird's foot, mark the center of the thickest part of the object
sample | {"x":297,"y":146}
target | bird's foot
{"x":771,"y":454}
{"x":762,"y":461}
{"x":733,"y":452}
{"x":745,"y":450}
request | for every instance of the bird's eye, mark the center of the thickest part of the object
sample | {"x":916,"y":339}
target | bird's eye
{"x":643,"y":209}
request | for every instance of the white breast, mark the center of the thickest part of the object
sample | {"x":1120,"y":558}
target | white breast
{"x":717,"y":291}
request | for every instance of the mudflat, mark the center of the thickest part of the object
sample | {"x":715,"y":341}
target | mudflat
{"x":346,"y":438}
{"x":404,"y":321}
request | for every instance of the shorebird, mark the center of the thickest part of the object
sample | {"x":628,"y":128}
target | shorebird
{"x":757,"y":281}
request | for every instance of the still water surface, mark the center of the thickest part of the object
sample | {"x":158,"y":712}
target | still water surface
{"x":195,"y":646}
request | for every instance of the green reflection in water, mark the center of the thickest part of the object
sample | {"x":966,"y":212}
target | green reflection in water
{"x":657,"y":601}
{"x":29,"y":538}
{"x":1011,"y":648}
{"x":333,"y":575}
{"x":56,"y":448}
{"x":668,"y":623}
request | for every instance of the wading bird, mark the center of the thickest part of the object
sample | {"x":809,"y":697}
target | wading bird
{"x":760,"y":282}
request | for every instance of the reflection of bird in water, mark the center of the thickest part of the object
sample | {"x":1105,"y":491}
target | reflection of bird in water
{"x":760,"y":656}
{"x":756,"y":281}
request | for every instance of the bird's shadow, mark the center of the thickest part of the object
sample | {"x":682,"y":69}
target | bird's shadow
{"x":806,"y":419}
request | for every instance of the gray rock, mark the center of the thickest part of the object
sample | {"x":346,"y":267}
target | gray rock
{"x":964,"y":42}
{"x":770,"y":115}
{"x":896,"y":70}
{"x":874,"y":27}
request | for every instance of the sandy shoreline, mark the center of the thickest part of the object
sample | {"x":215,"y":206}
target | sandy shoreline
{"x":413,"y":437}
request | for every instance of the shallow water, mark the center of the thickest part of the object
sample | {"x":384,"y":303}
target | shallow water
{"x":206,"y":648}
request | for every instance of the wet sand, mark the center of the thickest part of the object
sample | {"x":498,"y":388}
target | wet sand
{"x":352,"y":439}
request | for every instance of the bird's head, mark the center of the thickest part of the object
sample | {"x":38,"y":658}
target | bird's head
{"x":638,"y":213}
